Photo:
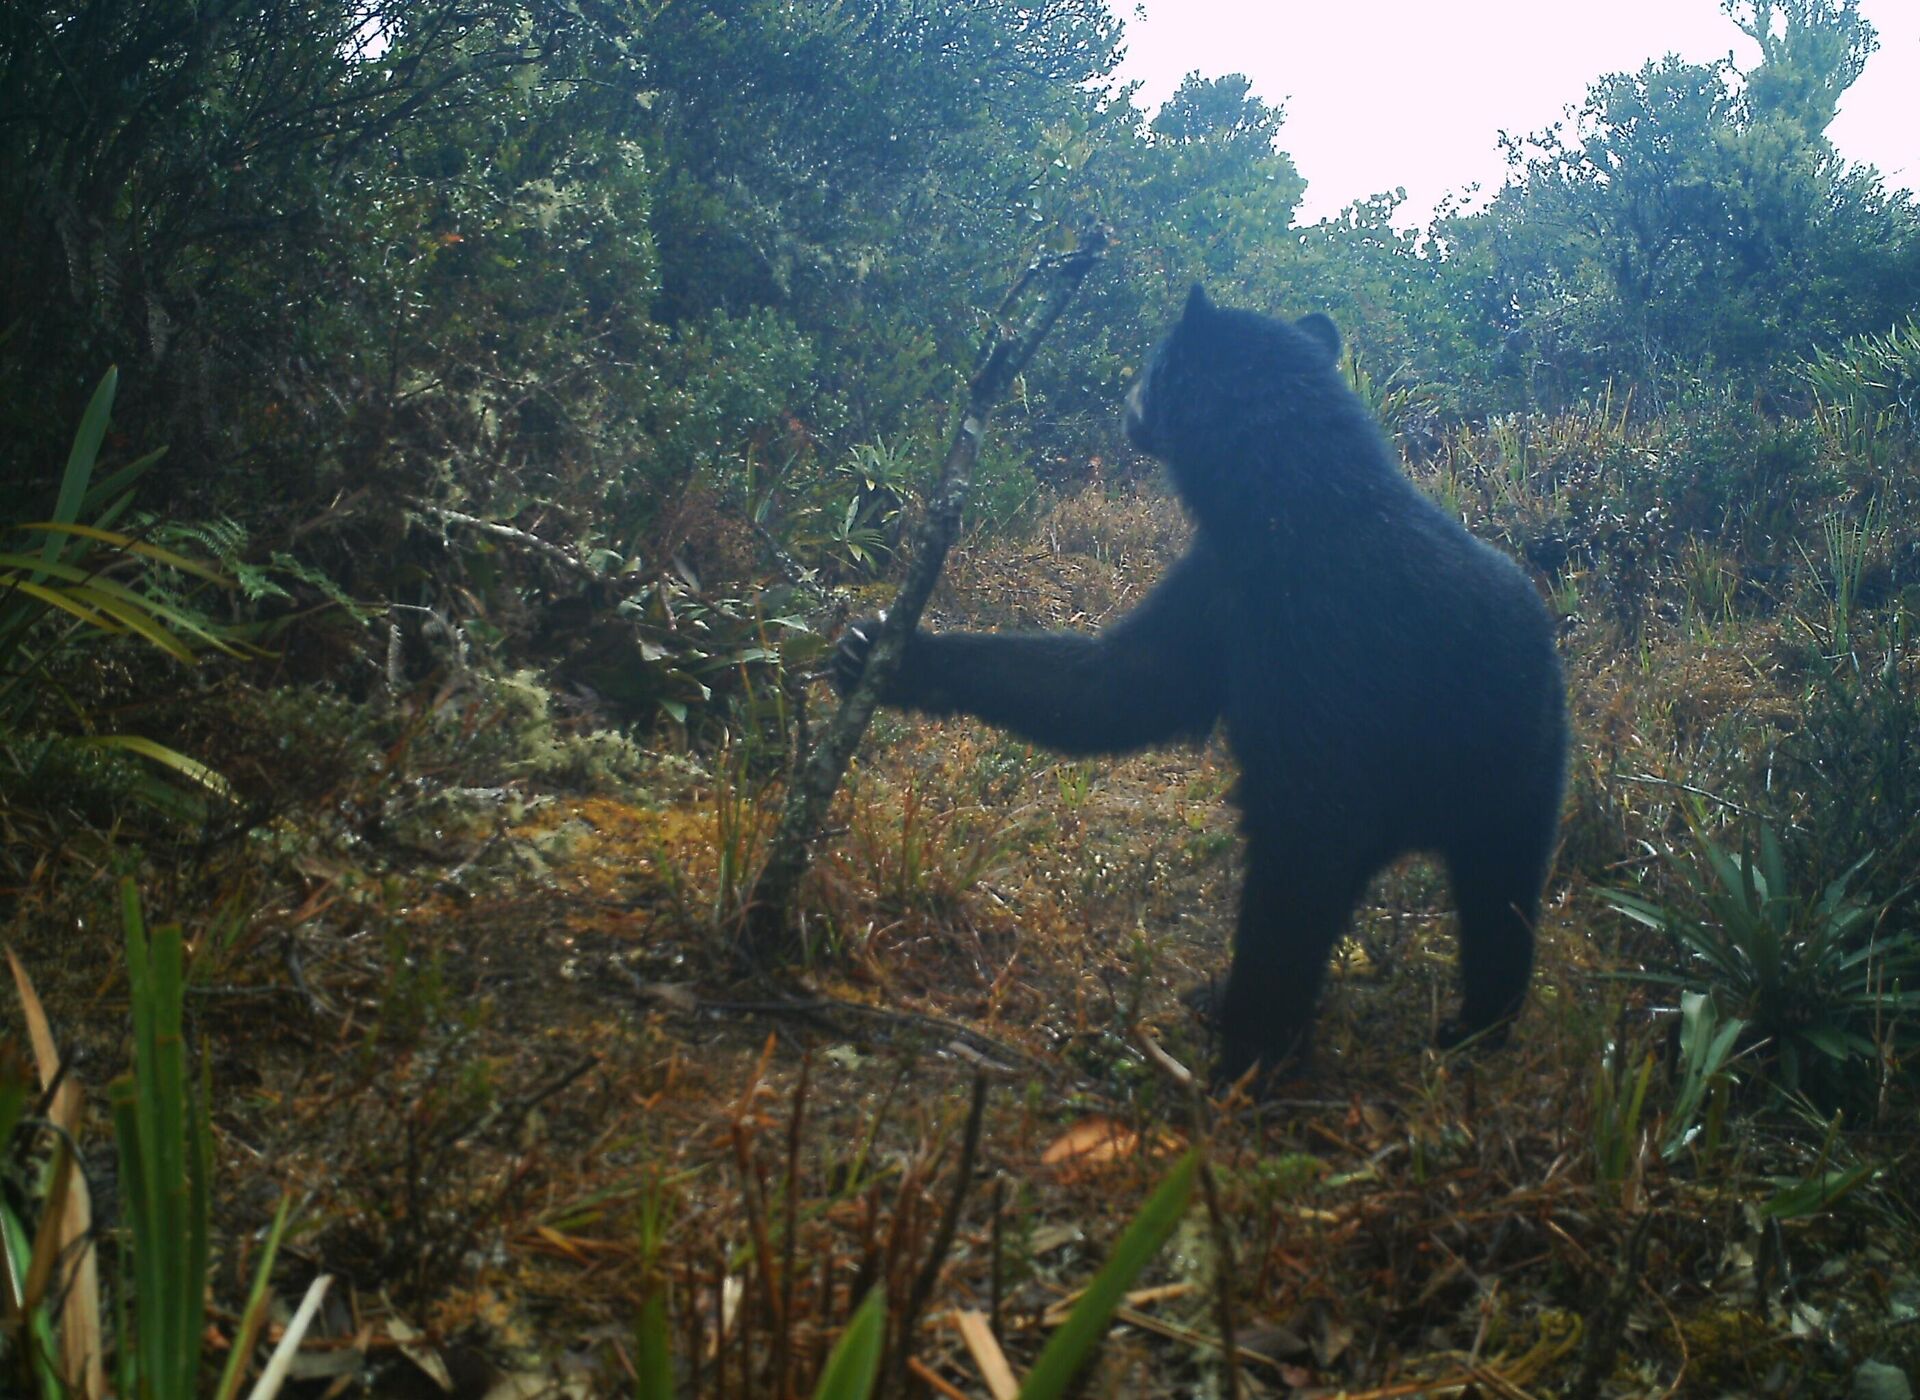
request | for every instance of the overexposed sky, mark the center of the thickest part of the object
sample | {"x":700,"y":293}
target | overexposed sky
{"x":1381,"y":93}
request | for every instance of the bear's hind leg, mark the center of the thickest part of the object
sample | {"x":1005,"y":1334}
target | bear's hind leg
{"x":1496,"y":891}
{"x":1293,"y":909}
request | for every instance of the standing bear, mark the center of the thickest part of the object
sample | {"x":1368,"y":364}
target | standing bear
{"x":1388,"y":683}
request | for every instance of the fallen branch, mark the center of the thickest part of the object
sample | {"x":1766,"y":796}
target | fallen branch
{"x":766,"y":934}
{"x":993,"y":1054}
{"x":546,"y":549}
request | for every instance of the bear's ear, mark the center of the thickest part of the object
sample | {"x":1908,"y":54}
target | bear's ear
{"x":1198,"y":307}
{"x":1320,"y":329}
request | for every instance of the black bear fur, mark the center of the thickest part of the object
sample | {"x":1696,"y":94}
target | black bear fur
{"x":1388,"y":683}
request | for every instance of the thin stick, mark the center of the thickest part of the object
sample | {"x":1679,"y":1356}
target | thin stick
{"x":275,"y":1374}
{"x":527,"y":540}
{"x":1222,"y":1278}
{"x":943,"y":1237}
{"x":790,"y":1208}
{"x":977,"y":1332}
{"x":933,"y":1380}
{"x":766,"y":933}
{"x":993,"y":1280}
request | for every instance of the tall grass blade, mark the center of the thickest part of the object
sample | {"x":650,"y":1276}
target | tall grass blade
{"x":854,"y":1365}
{"x":110,"y":494}
{"x":654,"y":1349}
{"x":191,"y":769}
{"x":160,"y":555}
{"x":39,"y":1324}
{"x":254,"y":1318}
{"x":80,"y":459}
{"x":165,"y":1160}
{"x":1070,"y":1347}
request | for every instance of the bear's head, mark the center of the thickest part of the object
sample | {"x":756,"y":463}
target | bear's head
{"x":1220,"y":371}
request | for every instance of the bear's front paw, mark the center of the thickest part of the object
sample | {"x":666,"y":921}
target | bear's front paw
{"x":1274,"y":1064}
{"x":850,"y":653}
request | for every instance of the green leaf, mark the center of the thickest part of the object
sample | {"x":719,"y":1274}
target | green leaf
{"x":108,"y":492}
{"x":133,"y":617}
{"x":855,"y":1363}
{"x":130,"y":545}
{"x":166,"y":1159}
{"x":18,"y":1245}
{"x":60,"y":598}
{"x":654,"y":1348}
{"x":86,"y":449}
{"x":1637,"y":908}
{"x":253,"y":1318}
{"x":1815,"y":1194}
{"x":191,"y":769}
{"x":1070,"y":1347}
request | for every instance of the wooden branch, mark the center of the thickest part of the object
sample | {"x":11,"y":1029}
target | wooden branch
{"x":524,"y":539}
{"x":1049,"y":285}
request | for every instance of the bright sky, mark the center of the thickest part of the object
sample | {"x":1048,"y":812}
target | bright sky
{"x":1414,"y":93}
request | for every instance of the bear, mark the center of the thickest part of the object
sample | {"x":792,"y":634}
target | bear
{"x":1388,"y":683}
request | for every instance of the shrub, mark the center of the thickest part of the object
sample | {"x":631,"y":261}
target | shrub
{"x":1820,"y":979}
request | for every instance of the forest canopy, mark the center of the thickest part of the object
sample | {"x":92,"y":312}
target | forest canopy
{"x":558,"y":261}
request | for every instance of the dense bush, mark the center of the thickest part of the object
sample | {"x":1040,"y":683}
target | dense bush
{"x":607,"y":338}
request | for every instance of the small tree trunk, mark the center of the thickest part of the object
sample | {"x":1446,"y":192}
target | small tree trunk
{"x":1046,"y":288}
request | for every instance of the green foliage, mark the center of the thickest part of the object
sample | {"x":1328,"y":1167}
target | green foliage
{"x":1398,"y":404}
{"x":1830,"y":989}
{"x":377,"y":169}
{"x":843,"y":519}
{"x":71,"y":585}
{"x":1867,"y":394}
{"x":1619,"y":1107}
{"x":1690,"y":219}
{"x":1707,"y":1042}
{"x":165,"y":1171}
{"x":684,"y":294}
{"x":226,"y":542}
{"x":1734,"y":476}
{"x":253,"y":1316}
{"x":1072,"y":1345}
{"x":69,"y":575}
{"x":1811,"y":52}
{"x":1850,"y":543}
{"x":687,"y":651}
{"x":29,"y":1343}
{"x":851,"y":1371}
{"x":853,"y":1366}
{"x":166,"y":1167}
{"x":1854,"y":762}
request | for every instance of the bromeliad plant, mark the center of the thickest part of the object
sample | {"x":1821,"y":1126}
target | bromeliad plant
{"x":1830,"y":989}
{"x":70,"y":580}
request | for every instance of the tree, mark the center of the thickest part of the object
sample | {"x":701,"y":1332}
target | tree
{"x":1811,"y":52}
{"x":1689,"y":218}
